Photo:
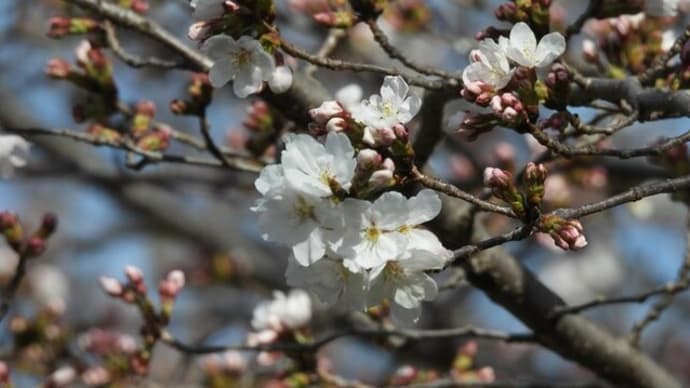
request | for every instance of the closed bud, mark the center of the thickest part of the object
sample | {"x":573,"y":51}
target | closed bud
{"x":590,"y":51}
{"x":368,"y":159}
{"x":134,"y":274}
{"x":325,"y":111}
{"x":381,"y":178}
{"x":62,"y":377}
{"x":566,"y":234}
{"x":401,"y":132}
{"x":535,"y":176}
{"x":336,"y":124}
{"x":35,"y":246}
{"x":4,"y":373}
{"x":111,"y":286}
{"x":497,"y":178}
{"x":58,"y":68}
{"x":48,"y":225}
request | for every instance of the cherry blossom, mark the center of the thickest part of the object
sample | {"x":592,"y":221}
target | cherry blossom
{"x":317,"y":169}
{"x":14,"y":151}
{"x":284,"y":312}
{"x":489,"y":65}
{"x":404,"y":283}
{"x":242,"y":61}
{"x":392,"y":106}
{"x":524,"y":50}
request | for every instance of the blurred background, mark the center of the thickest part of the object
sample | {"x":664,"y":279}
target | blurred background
{"x":197,"y":219}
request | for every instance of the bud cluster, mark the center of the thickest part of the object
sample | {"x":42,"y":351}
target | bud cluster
{"x":134,"y":292}
{"x":199,"y":96}
{"x":567,"y":234}
{"x":521,"y":201}
{"x":536,"y":12}
{"x":27,"y":245}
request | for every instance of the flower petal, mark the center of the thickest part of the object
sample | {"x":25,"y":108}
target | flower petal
{"x":550,"y":47}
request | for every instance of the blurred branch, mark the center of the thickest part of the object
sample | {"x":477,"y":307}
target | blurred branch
{"x":381,"y":38}
{"x":634,"y":194}
{"x":12,"y":287}
{"x":236,"y":163}
{"x":412,"y":335}
{"x":131,"y":59}
{"x":682,"y":279}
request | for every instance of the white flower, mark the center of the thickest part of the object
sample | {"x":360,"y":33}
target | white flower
{"x":14,"y":151}
{"x":307,"y":224}
{"x":330,"y":282}
{"x":372,"y":235}
{"x":524,"y":50}
{"x":283,"y":312}
{"x":489,"y":64}
{"x":243,"y":61}
{"x":393,"y":106}
{"x":661,"y":8}
{"x":424,"y":207}
{"x":404,"y":284}
{"x":281,"y":81}
{"x":313,"y":168}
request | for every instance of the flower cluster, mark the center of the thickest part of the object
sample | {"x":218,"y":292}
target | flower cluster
{"x":351,"y":251}
{"x":381,"y":118}
{"x":243,"y":60}
{"x":285,"y":317}
{"x":490,"y":69}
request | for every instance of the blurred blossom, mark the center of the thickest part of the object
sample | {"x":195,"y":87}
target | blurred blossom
{"x":14,"y":152}
{"x":284,"y":312}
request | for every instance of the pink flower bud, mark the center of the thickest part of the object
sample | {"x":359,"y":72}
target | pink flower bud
{"x":509,"y":114}
{"x":590,"y":51}
{"x":381,"y":178}
{"x":368,"y":136}
{"x":386,"y":136}
{"x":96,"y":376}
{"x":368,"y":159}
{"x":35,"y":246}
{"x":231,"y":6}
{"x":486,"y":374}
{"x":146,"y":108}
{"x":475,"y":56}
{"x":62,"y":377}
{"x":324,"y":112}
{"x":400,"y":132}
{"x":199,"y":30}
{"x":58,"y":68}
{"x":497,"y":104}
{"x":134,"y":274}
{"x":59,"y":26}
{"x":177,"y":278}
{"x":497,"y":178}
{"x":111,"y":286}
{"x":4,"y":373}
{"x":336,"y":124}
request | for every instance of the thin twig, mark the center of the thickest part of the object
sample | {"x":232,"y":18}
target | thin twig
{"x":412,"y":335}
{"x":131,"y":59}
{"x":683,"y":278}
{"x":13,"y":286}
{"x":454,"y":191}
{"x":668,"y":288}
{"x":236,"y":163}
{"x":327,"y":47}
{"x":337,"y":64}
{"x":381,"y":38}
{"x":633,"y":194}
